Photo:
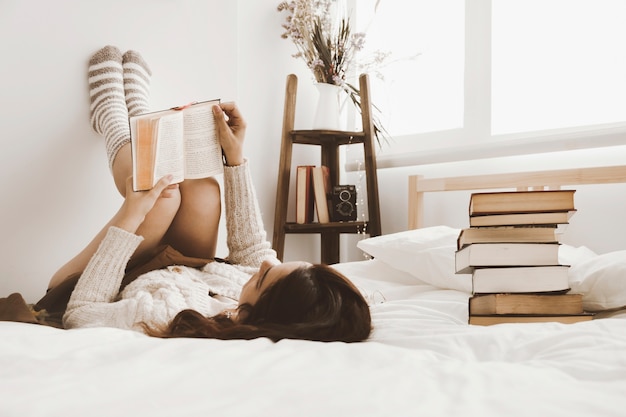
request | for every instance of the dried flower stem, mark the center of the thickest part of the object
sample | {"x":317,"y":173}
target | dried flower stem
{"x":328,"y":50}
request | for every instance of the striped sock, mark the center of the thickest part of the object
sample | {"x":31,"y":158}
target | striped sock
{"x":136,"y":83}
{"x":109,"y":116}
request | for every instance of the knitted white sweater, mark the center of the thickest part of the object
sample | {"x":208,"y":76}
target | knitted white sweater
{"x":156,"y":297}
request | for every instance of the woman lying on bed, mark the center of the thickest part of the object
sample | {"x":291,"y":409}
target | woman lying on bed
{"x":250,"y":295}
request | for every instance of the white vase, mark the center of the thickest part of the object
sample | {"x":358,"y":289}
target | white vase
{"x":328,"y":112}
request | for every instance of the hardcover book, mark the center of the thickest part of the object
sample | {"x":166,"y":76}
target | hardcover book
{"x":321,"y":190}
{"x":521,"y":202}
{"x":486,"y":320}
{"x":505,"y":254}
{"x":304,"y":194}
{"x":507,"y":234}
{"x":506,"y":303}
{"x":513,"y":279}
{"x":545,"y":218}
{"x":181,"y":141}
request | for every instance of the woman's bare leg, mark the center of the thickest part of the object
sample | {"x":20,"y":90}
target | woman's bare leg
{"x":153,"y":229}
{"x":194,"y":230}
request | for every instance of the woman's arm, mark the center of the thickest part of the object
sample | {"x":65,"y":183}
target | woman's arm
{"x":100,"y":281}
{"x":91,"y":303}
{"x":247,"y":238}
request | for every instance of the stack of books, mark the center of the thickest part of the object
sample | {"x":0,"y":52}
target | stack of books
{"x":512,"y":251}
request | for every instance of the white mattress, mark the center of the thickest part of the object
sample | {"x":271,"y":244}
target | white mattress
{"x":422,"y":360}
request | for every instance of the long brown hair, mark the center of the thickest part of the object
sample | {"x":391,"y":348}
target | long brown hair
{"x":312,"y":303}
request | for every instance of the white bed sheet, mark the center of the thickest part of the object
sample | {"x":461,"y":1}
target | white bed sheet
{"x":422,"y":359}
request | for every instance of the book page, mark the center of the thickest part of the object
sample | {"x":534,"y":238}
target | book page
{"x":170,"y":153}
{"x":203,"y":153}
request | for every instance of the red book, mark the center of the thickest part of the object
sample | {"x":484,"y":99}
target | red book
{"x":304,"y":194}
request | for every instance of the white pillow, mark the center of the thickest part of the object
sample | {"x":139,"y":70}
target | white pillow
{"x":601,"y":280}
{"x":571,"y":255}
{"x":427,"y":254}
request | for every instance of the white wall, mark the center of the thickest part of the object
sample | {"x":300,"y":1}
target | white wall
{"x":56,"y":188}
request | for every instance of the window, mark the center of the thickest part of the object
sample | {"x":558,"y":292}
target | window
{"x":490,"y":71}
{"x":422,"y":90}
{"x":557,"y":64}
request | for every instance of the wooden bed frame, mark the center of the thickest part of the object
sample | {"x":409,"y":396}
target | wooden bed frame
{"x":535,"y":180}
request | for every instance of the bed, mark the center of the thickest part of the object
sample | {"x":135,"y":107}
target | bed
{"x":422,"y":359}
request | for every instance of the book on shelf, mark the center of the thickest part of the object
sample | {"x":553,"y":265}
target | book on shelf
{"x":486,"y":320}
{"x":507,"y":234}
{"x":181,"y":141}
{"x":304,"y":194}
{"x":520,"y":279}
{"x":538,"y":304}
{"x":505,"y":254}
{"x":521,"y":202}
{"x":321,"y":190}
{"x":527,"y":219}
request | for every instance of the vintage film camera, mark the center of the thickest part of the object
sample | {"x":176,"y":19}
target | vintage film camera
{"x":343,"y":201}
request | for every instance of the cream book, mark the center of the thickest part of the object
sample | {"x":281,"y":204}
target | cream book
{"x":505,"y":254}
{"x":321,"y":188}
{"x":181,"y":141}
{"x":521,"y":279}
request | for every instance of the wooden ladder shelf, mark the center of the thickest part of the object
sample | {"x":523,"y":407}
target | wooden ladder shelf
{"x":329,"y":142}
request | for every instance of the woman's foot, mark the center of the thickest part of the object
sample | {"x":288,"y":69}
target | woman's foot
{"x":136,"y":83}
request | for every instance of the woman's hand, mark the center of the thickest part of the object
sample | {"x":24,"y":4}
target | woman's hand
{"x":231,"y":129}
{"x":137,"y":204}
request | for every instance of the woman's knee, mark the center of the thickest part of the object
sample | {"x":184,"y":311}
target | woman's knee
{"x":166,"y":208}
{"x":194,"y":230}
{"x":201,"y":195}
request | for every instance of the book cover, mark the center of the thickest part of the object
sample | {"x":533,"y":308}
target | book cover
{"x":507,"y":234}
{"x":538,"y":304}
{"x":321,"y":189}
{"x":181,"y":141}
{"x":505,"y":254}
{"x":521,"y":202}
{"x":545,"y":218}
{"x":304,"y":194}
{"x":486,"y":320}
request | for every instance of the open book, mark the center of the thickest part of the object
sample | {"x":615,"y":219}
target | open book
{"x":181,"y":141}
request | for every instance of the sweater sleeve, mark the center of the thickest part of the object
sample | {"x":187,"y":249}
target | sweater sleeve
{"x":247,"y":238}
{"x":92,"y":301}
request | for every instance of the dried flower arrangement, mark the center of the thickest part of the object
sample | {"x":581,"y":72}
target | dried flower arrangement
{"x":328,"y":47}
